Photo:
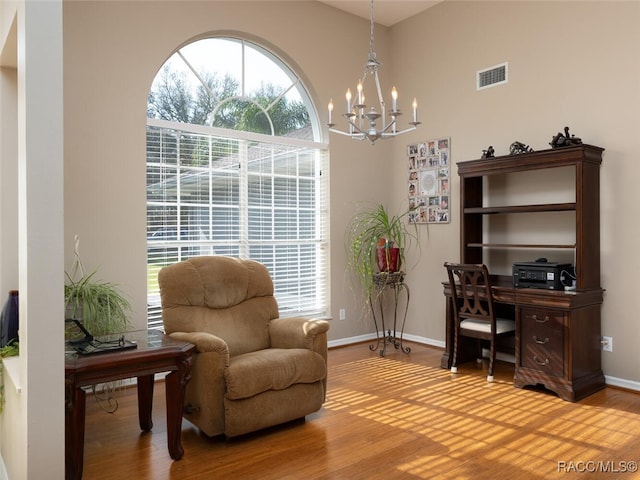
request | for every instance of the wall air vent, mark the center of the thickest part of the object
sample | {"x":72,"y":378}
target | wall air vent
{"x":492,"y":76}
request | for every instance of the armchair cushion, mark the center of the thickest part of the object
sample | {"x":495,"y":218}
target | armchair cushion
{"x":272,"y":369}
{"x":503,"y":325}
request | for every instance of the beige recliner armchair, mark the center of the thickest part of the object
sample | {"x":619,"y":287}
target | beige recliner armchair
{"x":252,"y":370}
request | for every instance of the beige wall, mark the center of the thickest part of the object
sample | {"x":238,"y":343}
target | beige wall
{"x":112,"y":53}
{"x":569,"y":64}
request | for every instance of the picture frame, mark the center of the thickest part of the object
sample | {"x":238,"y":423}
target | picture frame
{"x":428,"y":182}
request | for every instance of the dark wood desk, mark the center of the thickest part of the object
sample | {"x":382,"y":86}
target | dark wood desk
{"x":558,"y":339}
{"x":156,"y":353}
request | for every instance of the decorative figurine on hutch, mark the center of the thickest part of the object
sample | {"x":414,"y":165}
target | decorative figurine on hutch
{"x":566,"y":140}
{"x":518,"y":148}
{"x":489,"y":152}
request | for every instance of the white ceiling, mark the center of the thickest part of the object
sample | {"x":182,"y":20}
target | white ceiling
{"x":385,"y":12}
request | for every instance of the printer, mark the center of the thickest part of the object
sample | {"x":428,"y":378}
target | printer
{"x":543,"y":274}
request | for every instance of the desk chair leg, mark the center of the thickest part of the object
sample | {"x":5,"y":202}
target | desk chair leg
{"x":492,"y":360}
{"x":454,"y":360}
{"x":478,"y":350}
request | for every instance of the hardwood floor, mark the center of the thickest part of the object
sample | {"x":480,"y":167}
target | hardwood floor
{"x":396,"y":417}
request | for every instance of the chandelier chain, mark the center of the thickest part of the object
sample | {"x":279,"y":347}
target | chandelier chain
{"x":372,"y":51}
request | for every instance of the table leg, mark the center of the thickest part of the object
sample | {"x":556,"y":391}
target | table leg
{"x":404,"y":318}
{"x":385,"y":336}
{"x":373,"y":347}
{"x":74,"y":431}
{"x":145,"y":402}
{"x":175,"y":384}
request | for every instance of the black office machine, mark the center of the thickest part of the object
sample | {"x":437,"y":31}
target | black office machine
{"x":546,"y":275}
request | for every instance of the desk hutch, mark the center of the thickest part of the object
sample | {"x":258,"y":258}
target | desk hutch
{"x":558,"y":338}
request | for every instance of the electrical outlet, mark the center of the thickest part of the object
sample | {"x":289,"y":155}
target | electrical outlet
{"x":607,"y":344}
{"x":343,"y":314}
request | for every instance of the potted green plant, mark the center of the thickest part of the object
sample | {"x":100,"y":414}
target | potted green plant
{"x":376,"y":242}
{"x":12,"y":349}
{"x":101,"y":306}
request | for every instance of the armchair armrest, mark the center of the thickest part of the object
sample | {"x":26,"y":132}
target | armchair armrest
{"x":204,"y":342}
{"x":298,"y":332}
{"x":204,"y":395}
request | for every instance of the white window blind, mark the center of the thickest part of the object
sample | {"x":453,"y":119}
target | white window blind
{"x":214,"y":192}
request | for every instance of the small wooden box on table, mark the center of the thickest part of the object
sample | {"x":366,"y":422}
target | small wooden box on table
{"x":155,"y":353}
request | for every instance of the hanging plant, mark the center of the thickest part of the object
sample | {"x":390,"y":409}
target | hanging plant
{"x":101,"y":307}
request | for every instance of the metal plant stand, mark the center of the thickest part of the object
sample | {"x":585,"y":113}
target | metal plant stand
{"x":393,"y":283}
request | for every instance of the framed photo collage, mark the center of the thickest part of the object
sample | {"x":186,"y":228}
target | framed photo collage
{"x":428,"y":183}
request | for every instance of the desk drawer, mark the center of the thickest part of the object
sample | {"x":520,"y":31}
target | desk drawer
{"x":542,"y":340}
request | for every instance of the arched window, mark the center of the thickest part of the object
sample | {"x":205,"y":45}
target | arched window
{"x":235,"y":167}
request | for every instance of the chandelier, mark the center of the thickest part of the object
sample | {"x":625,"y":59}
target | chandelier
{"x":363,"y":121}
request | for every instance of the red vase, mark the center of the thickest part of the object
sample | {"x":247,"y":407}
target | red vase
{"x":389,"y":259}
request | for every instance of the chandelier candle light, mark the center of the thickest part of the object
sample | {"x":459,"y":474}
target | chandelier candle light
{"x":363,"y":123}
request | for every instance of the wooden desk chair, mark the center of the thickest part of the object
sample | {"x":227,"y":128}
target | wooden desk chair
{"x":474,"y":312}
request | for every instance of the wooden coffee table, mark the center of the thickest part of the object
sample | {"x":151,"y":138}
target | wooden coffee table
{"x":155,"y":353}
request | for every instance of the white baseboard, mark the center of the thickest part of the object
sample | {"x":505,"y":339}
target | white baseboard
{"x":372,"y":336}
{"x":622,"y":383}
{"x":425,"y":341}
{"x":342,"y":342}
